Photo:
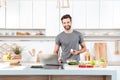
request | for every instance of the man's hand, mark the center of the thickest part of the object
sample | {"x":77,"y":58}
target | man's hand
{"x":74,"y":52}
{"x":59,"y":60}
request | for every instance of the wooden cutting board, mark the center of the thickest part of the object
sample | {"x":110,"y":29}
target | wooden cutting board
{"x":100,"y":50}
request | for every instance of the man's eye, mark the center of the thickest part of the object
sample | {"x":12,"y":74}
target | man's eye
{"x":68,"y":22}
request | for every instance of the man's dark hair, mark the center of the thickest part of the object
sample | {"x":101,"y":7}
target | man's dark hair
{"x":66,"y":16}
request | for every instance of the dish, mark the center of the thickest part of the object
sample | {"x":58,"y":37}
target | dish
{"x":72,"y":62}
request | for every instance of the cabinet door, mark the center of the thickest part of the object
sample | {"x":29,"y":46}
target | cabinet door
{"x":53,"y":19}
{"x":12,"y":13}
{"x":2,"y":17}
{"x":92,"y":14}
{"x":79,"y":14}
{"x":39,"y":14}
{"x":26,"y":7}
{"x":106,"y":14}
{"x":116,"y":14}
{"x":85,"y":14}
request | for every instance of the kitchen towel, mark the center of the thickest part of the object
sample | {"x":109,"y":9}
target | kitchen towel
{"x":100,"y":50}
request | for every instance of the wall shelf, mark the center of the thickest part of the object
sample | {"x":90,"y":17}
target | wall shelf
{"x":89,"y":35}
{"x":52,"y":38}
{"x":13,"y":32}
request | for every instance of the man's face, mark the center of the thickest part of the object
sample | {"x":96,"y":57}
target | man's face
{"x":66,"y":24}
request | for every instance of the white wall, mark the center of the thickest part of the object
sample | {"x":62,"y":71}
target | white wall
{"x":47,"y":48}
{"x":110,"y":50}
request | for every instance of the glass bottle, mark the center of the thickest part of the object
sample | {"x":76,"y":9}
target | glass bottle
{"x":87,"y":56}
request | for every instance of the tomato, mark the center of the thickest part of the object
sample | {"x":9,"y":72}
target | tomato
{"x":82,"y":66}
{"x":89,"y":66}
{"x":86,"y":66}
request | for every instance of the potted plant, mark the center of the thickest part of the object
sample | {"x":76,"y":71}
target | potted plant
{"x":17,"y":50}
{"x":13,"y":56}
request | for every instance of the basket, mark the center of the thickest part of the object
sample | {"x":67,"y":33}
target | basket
{"x":15,"y":60}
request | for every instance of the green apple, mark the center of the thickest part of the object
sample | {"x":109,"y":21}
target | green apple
{"x":6,"y":57}
{"x":92,"y":62}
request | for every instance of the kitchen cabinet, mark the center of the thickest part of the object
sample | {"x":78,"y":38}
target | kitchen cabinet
{"x":92,"y":14}
{"x":96,"y":14}
{"x":2,"y":17}
{"x":53,"y":77}
{"x":12,"y":14}
{"x":53,"y":19}
{"x":39,"y":14}
{"x":106,"y":14}
{"x":26,"y":14}
{"x":79,"y":14}
{"x":116,"y":12}
{"x":109,"y":14}
{"x":35,"y":77}
{"x":68,"y":73}
{"x":44,"y":14}
{"x":82,"y":12}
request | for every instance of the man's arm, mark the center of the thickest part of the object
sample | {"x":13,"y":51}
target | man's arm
{"x":83,"y":49}
{"x":56,"y":49}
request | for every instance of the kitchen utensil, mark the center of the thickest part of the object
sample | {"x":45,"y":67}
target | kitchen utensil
{"x":32,"y":53}
{"x":117,"y":48}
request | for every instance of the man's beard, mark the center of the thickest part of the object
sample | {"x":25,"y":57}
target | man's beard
{"x":67,"y":27}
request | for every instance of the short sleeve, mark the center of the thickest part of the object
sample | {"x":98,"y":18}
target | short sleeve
{"x":81,"y":38}
{"x":57,"y":41}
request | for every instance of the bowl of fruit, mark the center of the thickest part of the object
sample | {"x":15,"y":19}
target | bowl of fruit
{"x":72,"y":62}
{"x":9,"y":58}
{"x":102,"y":62}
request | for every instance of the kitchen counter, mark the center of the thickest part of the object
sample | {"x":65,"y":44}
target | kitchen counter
{"x":24,"y":69}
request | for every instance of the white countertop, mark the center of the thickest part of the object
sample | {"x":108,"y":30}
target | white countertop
{"x":25,"y":69}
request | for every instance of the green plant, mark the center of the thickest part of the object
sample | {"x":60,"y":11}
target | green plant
{"x":17,"y":50}
{"x":101,"y":60}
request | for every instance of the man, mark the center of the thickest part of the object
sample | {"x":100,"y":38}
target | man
{"x":69,"y":40}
